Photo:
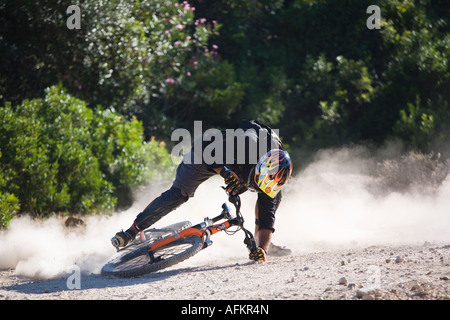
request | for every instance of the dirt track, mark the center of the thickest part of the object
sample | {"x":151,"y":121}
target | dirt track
{"x":347,"y":244}
{"x":377,"y":272}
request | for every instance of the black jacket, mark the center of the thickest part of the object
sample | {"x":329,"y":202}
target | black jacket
{"x":246,"y":145}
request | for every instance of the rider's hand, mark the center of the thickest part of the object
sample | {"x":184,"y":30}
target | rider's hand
{"x":258,"y":255}
{"x":231,"y":180}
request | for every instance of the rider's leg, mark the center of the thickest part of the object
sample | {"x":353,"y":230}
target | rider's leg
{"x":158,"y":208}
{"x":188,"y":177}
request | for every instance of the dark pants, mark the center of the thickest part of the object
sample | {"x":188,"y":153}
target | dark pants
{"x":190,"y":176}
{"x":187,"y":180}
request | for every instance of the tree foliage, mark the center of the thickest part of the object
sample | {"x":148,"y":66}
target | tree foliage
{"x":310,"y":68}
{"x":58,"y":155}
{"x":134,"y":56}
{"x":332,"y":80}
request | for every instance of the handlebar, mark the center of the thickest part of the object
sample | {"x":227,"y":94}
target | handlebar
{"x":236,"y":201}
{"x":226,"y":214}
{"x":249,"y":240}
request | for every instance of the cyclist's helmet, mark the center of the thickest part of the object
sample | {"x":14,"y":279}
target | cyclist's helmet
{"x":273,"y":171}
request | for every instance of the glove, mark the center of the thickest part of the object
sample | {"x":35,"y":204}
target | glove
{"x":258,"y":255}
{"x":231,"y":180}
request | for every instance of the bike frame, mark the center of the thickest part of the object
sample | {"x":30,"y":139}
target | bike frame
{"x":207,"y":228}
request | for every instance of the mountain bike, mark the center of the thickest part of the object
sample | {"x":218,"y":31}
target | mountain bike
{"x":157,"y":249}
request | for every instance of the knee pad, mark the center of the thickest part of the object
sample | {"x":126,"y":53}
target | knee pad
{"x":158,"y":208}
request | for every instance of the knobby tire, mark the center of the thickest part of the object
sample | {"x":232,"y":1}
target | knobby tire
{"x":139,"y":261}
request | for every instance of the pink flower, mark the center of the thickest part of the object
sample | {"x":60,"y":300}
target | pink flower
{"x":175,"y":4}
{"x":195,"y":63}
{"x":200,"y":21}
{"x":168,"y":31}
{"x":215,"y":47}
{"x":170,"y":80}
{"x":177,"y":43}
{"x":179,"y":27}
{"x":188,"y":74}
{"x":185,"y":5}
{"x":189,"y":37}
{"x":214,"y":21}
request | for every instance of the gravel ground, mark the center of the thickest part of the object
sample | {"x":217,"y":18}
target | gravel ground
{"x":382,"y":272}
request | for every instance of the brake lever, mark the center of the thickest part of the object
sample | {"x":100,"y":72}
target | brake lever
{"x":235,"y":200}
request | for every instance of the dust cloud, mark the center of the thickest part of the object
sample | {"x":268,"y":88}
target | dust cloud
{"x":340,"y":201}
{"x":335,"y":202}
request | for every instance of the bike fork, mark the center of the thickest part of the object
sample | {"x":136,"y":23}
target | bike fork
{"x":207,"y":240}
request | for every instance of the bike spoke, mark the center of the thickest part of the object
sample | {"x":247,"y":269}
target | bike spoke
{"x":133,"y":263}
{"x":171,"y":251}
{"x":153,"y":257}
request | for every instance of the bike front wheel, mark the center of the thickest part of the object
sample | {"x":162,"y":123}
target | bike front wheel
{"x":140,"y":261}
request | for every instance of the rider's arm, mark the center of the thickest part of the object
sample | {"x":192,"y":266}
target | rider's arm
{"x":265,"y":217}
{"x":266,"y":209}
{"x":264,"y":237}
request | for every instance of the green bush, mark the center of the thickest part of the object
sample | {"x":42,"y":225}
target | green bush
{"x":9,"y":204}
{"x":60,"y":156}
{"x":331,"y":80}
{"x":128,"y":55}
{"x":310,"y":68}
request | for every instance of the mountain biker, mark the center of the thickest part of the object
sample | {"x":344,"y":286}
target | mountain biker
{"x":267,"y":177}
